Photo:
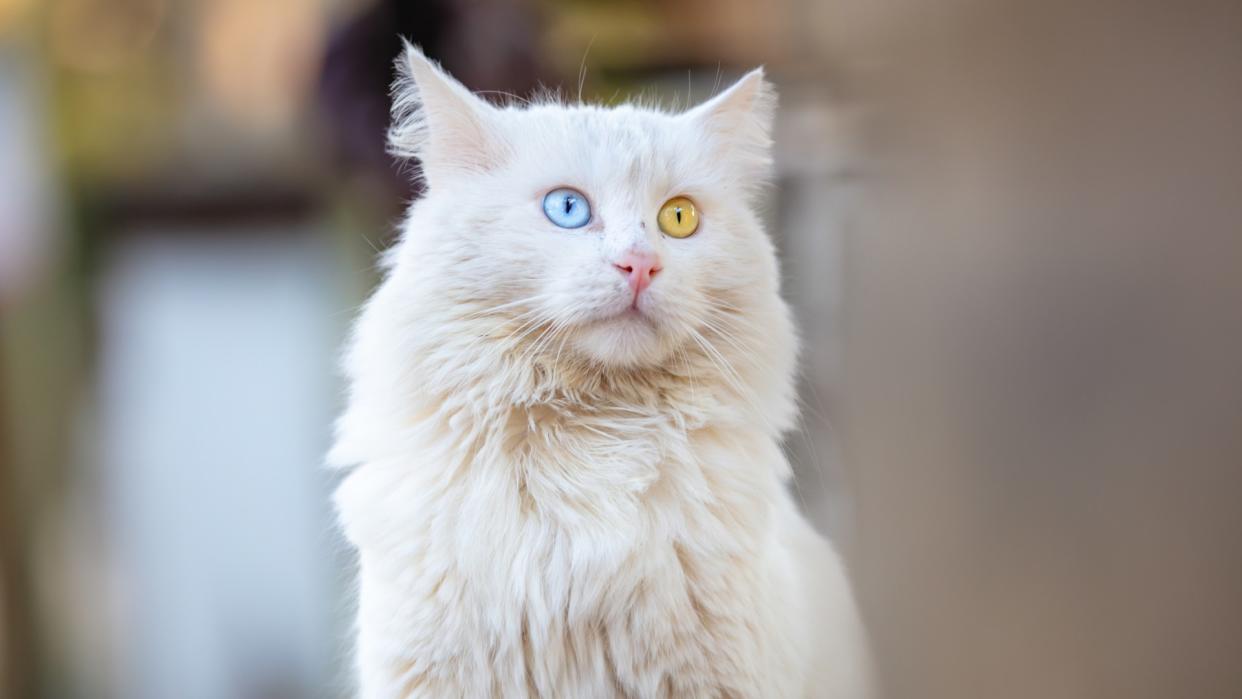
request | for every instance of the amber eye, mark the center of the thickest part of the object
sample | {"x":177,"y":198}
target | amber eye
{"x":678,"y":218}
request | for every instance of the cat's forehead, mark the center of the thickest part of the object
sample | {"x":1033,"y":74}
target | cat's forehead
{"x":625,"y":141}
{"x":623,"y":123}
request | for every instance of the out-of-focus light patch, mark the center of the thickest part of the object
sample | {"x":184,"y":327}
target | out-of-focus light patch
{"x":257,"y":59}
{"x":100,"y":36}
{"x":215,"y":402}
{"x":11,"y":14}
{"x":27,"y":233}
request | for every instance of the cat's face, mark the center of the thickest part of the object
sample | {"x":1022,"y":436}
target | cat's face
{"x":617,"y":235}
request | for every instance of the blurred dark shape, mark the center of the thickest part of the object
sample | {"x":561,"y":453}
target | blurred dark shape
{"x":17,"y":624}
{"x":489,"y":46}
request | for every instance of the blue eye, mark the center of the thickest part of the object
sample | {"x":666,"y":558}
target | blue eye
{"x":567,"y":208}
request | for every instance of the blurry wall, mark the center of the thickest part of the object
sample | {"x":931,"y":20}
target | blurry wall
{"x":1043,"y":346}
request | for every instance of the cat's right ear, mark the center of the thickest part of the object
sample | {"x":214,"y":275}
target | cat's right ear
{"x":437,"y":120}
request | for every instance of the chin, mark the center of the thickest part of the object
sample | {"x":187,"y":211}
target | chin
{"x":627,"y":340}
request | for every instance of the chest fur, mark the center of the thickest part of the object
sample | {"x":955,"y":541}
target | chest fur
{"x":585,"y":555}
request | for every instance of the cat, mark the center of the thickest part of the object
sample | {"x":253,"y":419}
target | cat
{"x":566,"y":404}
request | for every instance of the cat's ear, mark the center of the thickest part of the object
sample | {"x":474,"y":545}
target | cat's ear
{"x":738,"y":123}
{"x":438,"y":120}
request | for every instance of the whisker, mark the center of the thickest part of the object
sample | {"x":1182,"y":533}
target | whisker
{"x":500,"y":307}
{"x":731,"y":377}
{"x":746,"y":351}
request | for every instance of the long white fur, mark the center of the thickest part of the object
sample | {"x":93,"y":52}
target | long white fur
{"x":551,"y":497}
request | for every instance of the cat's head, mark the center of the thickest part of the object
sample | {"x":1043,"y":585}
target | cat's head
{"x":614,"y":235}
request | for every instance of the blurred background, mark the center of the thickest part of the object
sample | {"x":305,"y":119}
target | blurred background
{"x":1011,"y":231}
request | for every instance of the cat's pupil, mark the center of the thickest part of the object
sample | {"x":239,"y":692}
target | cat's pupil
{"x":569,"y":204}
{"x":678,"y":210}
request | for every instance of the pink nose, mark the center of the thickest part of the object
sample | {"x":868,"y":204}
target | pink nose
{"x":638,"y":267}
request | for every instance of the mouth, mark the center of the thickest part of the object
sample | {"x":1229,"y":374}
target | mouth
{"x":629,"y":307}
{"x":624,"y":335}
{"x":632,"y":320}
{"x":633,"y":313}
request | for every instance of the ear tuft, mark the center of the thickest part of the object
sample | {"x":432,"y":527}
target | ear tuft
{"x":437,"y":120}
{"x":739,"y":123}
{"x":407,"y":133}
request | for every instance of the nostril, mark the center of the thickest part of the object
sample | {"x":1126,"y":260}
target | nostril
{"x":625,"y":269}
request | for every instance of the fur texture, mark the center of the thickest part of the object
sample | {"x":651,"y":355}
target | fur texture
{"x":553,"y":495}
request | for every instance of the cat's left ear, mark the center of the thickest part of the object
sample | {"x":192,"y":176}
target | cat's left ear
{"x":439,"y":121}
{"x":738,"y":123}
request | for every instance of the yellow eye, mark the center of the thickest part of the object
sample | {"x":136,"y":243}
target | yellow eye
{"x":678,"y":218}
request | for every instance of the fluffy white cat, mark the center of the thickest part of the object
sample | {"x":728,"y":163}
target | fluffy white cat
{"x":566,"y":407}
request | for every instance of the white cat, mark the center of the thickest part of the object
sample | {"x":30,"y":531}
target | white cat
{"x":565,"y":415}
